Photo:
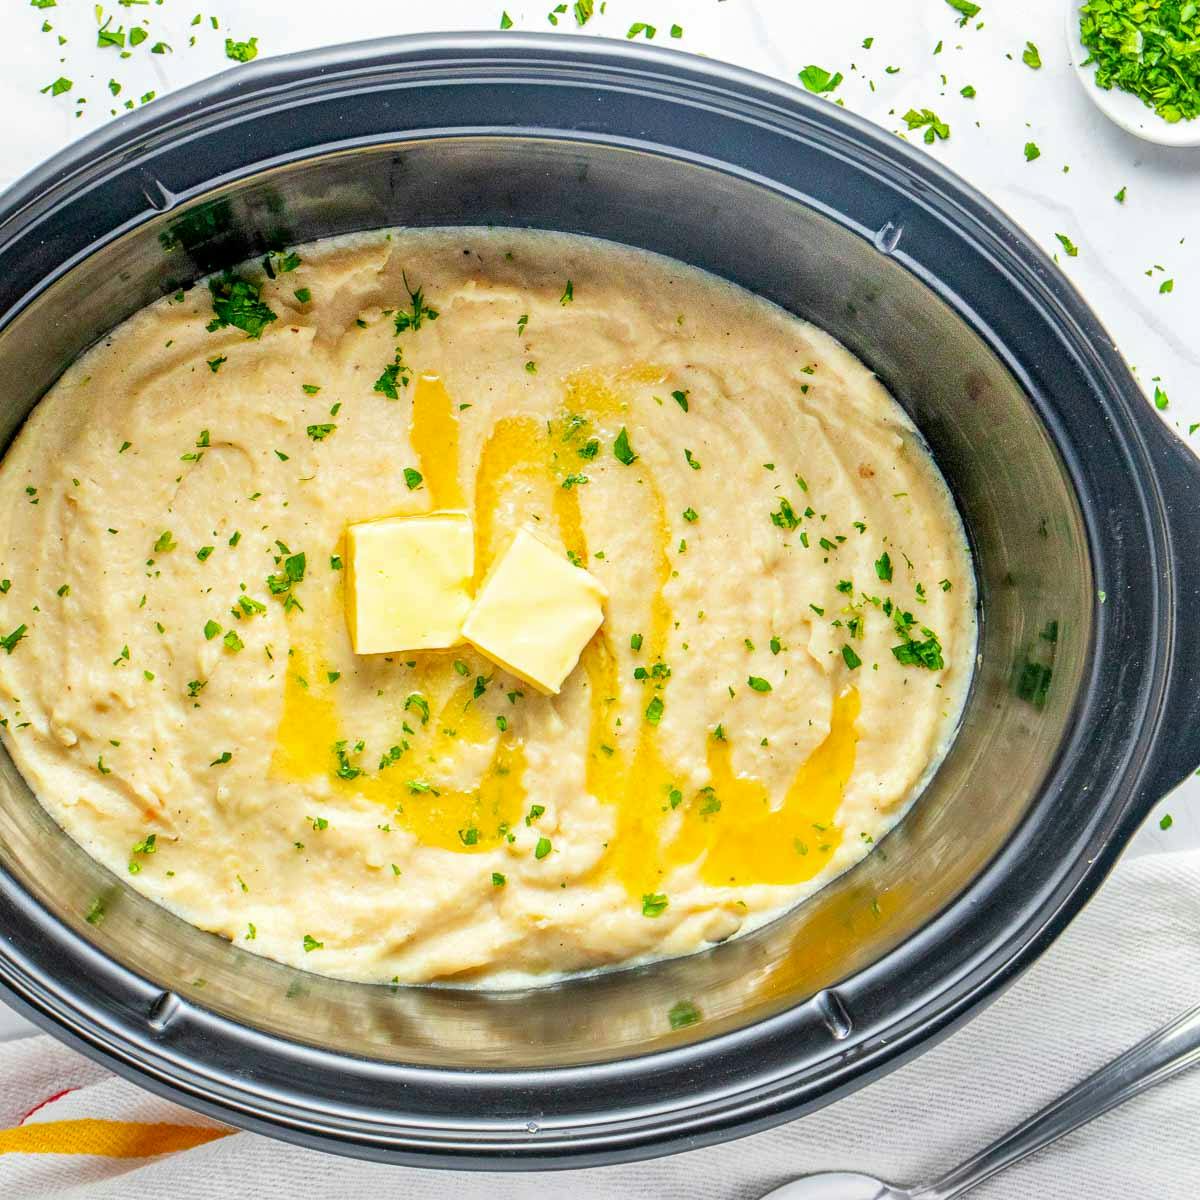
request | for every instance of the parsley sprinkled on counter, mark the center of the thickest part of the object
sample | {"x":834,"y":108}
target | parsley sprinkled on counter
{"x":1068,"y":245}
{"x":818,"y":80}
{"x":241,"y":51}
{"x":654,"y":904}
{"x":966,"y":7}
{"x":1031,"y":57}
{"x":1032,"y":151}
{"x":641,"y":27}
{"x":928,"y":120}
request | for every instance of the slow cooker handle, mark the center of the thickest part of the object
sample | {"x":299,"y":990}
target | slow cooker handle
{"x":1177,"y":750}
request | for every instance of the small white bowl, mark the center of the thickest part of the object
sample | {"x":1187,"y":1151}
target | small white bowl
{"x":1122,"y":108}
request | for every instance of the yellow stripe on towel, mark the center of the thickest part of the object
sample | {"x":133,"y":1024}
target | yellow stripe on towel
{"x":112,"y":1139}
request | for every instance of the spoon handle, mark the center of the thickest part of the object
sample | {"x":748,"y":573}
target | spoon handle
{"x":1172,"y":1049}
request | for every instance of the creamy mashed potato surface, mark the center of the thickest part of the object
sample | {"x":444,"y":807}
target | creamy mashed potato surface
{"x":787,"y":641}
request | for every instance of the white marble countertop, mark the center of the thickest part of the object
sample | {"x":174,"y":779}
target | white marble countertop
{"x":1126,"y":250}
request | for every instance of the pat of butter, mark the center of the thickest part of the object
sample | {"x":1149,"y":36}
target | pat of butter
{"x":535,"y":612}
{"x":408,"y":582}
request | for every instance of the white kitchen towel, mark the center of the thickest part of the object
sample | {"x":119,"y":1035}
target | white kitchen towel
{"x":1130,"y":963}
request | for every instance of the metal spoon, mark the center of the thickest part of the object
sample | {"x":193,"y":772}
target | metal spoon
{"x":1172,"y":1049}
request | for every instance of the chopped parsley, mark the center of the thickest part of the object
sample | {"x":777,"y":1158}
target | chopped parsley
{"x":319,"y":433}
{"x":883,"y":567}
{"x":851,"y":659}
{"x":311,"y":943}
{"x":242,"y":52}
{"x":928,"y":120}
{"x":417,"y":313}
{"x":654,"y":904}
{"x":966,"y":7}
{"x":345,"y":768}
{"x":1031,"y":58}
{"x":654,"y":710}
{"x":818,"y":80}
{"x":542,"y":848}
{"x":682,"y":1014}
{"x":914,"y":652}
{"x":9,"y":641}
{"x":622,"y":451}
{"x":681,"y":398}
{"x":238,"y":302}
{"x":569,"y":294}
{"x":395,"y":373}
{"x":1068,"y":245}
{"x":758,"y":683}
{"x":1032,"y":151}
{"x":786,"y":517}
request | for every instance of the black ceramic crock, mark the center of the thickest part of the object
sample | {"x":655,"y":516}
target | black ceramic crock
{"x":1083,"y":511}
